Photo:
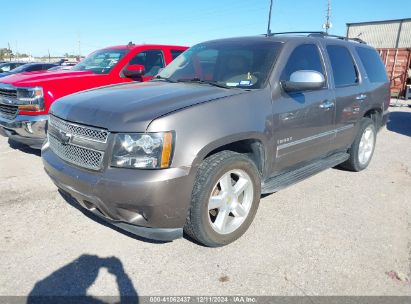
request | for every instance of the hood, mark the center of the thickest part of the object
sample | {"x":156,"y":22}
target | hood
{"x":131,"y":107}
{"x":36,"y":78}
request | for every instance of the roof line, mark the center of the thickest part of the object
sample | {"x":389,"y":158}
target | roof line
{"x":315,"y":34}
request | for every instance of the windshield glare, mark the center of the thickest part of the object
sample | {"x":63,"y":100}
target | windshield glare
{"x":100,"y":62}
{"x":230,"y":63}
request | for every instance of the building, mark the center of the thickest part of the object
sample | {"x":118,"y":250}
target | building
{"x":392,"y":38}
{"x":383,"y":34}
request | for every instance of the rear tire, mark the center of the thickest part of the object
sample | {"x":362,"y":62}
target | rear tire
{"x":224,"y":200}
{"x":362,"y":149}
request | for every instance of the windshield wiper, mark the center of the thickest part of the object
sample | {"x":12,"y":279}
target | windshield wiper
{"x":163,"y":78}
{"x":209,"y":82}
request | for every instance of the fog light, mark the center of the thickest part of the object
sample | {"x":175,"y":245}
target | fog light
{"x":28,"y":127}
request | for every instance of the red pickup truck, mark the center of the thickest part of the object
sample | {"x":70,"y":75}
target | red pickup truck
{"x":25,"y":98}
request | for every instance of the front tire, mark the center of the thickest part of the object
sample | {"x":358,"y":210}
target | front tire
{"x":362,"y":149}
{"x":225,"y":199}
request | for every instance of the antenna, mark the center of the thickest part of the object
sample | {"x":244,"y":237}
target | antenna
{"x":327,"y":25}
{"x":269,"y":19}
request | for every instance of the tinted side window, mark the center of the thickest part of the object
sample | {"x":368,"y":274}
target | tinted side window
{"x":36,"y":67}
{"x":47,"y":66}
{"x":344,"y":70}
{"x":175,"y":53}
{"x":152,"y":60}
{"x":373,"y":65}
{"x":304,"y":57}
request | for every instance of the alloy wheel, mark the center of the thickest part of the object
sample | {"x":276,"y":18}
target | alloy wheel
{"x":230,"y":201}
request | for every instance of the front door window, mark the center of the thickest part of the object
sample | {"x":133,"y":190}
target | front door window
{"x":152,"y":61}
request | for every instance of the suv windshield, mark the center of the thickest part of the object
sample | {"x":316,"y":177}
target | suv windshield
{"x":235,"y":63}
{"x":100,"y":62}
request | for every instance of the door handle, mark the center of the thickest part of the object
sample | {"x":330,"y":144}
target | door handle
{"x":287,"y":116}
{"x":327,"y":104}
{"x":361,"y":97}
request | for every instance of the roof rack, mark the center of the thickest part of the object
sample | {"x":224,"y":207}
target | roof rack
{"x":319,"y":34}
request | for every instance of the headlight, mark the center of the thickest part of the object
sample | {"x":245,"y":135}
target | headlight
{"x":30,"y":99}
{"x":143,"y":150}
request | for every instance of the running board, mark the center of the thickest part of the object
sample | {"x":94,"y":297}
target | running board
{"x":284,"y":180}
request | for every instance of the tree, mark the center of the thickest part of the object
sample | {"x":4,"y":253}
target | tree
{"x":5,"y":53}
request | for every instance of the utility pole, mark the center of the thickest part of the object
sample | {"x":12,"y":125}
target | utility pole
{"x":79,"y":46}
{"x":17,"y":51}
{"x":48,"y":51}
{"x":327,"y":25}
{"x":8,"y":43}
{"x":269,"y":19}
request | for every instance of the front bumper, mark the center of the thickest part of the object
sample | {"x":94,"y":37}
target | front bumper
{"x":28,"y":130}
{"x":148,"y":203}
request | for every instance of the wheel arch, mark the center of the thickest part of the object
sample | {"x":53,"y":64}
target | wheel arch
{"x":375,"y":114}
{"x":253,"y":145}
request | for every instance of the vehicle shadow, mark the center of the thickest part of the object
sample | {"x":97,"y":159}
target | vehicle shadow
{"x":69,"y":284}
{"x":71,"y":201}
{"x":23,"y":148}
{"x":400,"y":122}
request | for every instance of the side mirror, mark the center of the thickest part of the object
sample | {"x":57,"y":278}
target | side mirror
{"x":304,"y":80}
{"x":134,"y":70}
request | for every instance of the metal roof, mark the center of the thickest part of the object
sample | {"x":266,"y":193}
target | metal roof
{"x":379,"y":21}
{"x":383,"y":34}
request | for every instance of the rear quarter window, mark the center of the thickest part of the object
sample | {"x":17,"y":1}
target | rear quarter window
{"x":373,"y":65}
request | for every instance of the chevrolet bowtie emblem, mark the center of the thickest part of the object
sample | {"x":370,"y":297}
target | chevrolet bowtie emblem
{"x":64,"y":137}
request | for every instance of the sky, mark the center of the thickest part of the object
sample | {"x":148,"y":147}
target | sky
{"x":38,"y":26}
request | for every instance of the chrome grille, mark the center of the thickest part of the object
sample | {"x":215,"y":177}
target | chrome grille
{"x":82,"y":157}
{"x":8,"y":111}
{"x":8,"y":92}
{"x":87,"y":132}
